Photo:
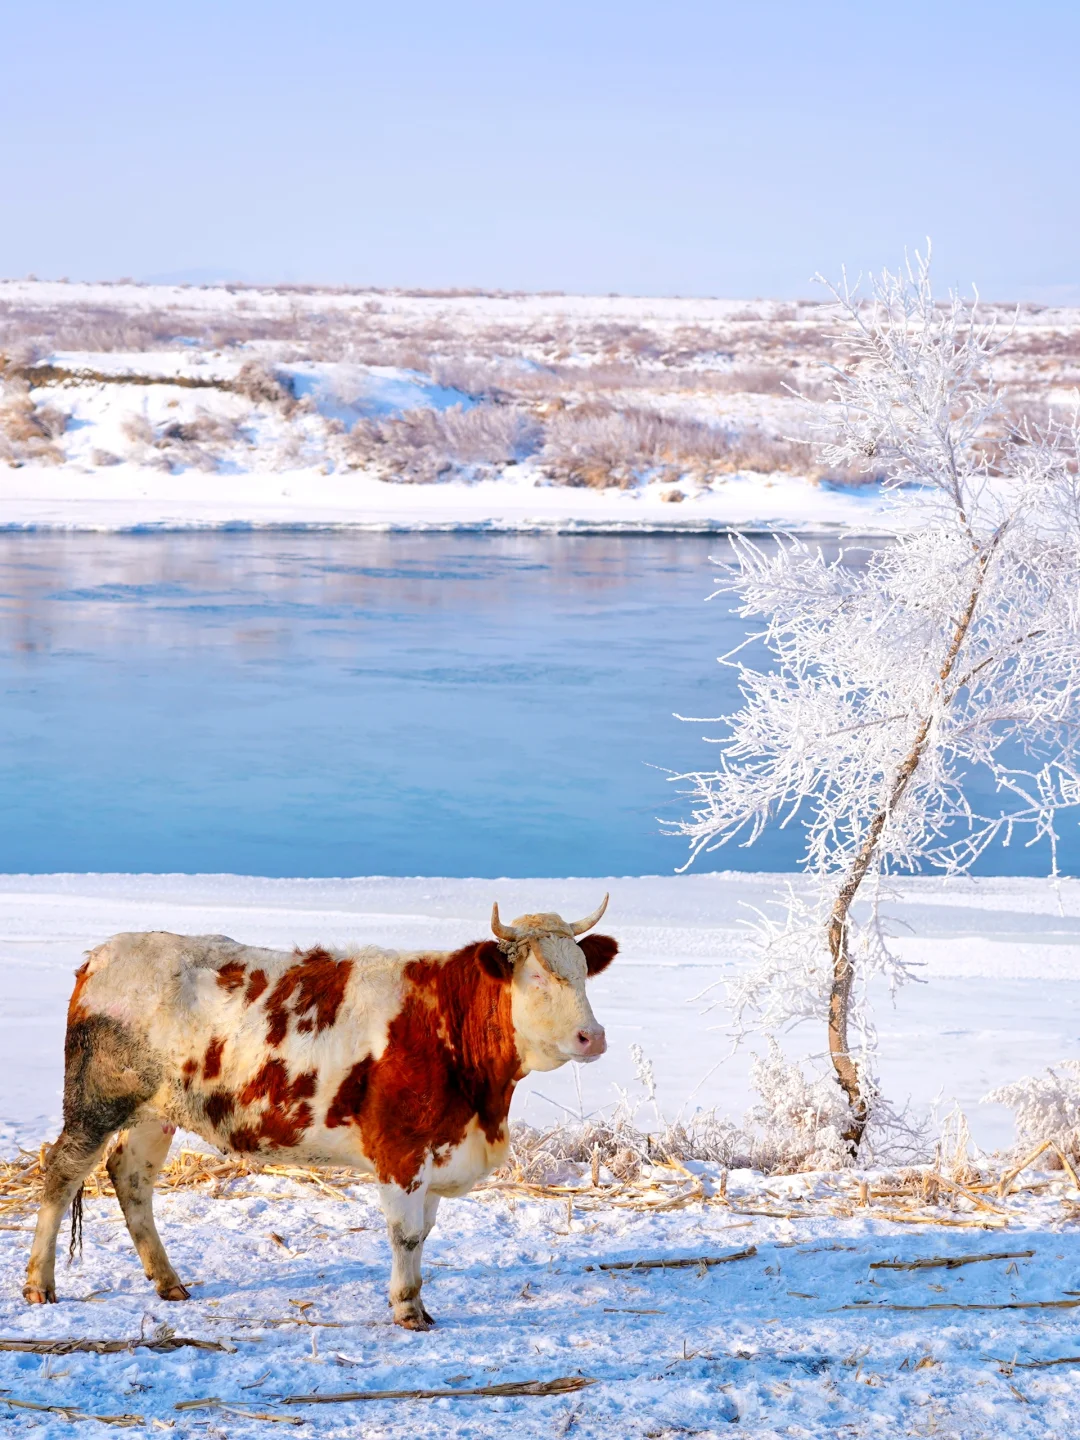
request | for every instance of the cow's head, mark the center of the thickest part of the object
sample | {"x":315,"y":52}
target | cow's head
{"x":548,"y":965}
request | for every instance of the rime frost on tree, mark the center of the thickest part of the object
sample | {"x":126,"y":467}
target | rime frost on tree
{"x":1047,"y":1107}
{"x":894,"y":671}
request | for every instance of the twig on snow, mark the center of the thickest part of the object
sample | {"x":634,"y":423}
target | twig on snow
{"x":949,"y":1262}
{"x":561,"y":1385}
{"x":675,"y":1263}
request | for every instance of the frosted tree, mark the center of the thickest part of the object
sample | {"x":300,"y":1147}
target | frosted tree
{"x":896,"y":675}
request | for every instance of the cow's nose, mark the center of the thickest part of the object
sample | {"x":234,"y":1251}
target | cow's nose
{"x":592,"y":1041}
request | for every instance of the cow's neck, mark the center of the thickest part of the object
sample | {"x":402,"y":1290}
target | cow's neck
{"x":477,"y":1029}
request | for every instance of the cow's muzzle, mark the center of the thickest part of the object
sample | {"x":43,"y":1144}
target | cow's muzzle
{"x":589,"y":1043}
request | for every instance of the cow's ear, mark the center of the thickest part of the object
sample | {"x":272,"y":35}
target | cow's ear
{"x":599,"y":951}
{"x":493,"y":961}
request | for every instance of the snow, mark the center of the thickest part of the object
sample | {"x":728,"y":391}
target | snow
{"x":348,"y":392}
{"x":668,"y":356}
{"x":132,"y":497}
{"x":759,"y":1346}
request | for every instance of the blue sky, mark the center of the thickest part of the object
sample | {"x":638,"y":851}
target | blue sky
{"x":582,"y":145}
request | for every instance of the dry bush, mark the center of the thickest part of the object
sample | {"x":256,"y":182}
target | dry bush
{"x":599,"y":446}
{"x":261,"y":384}
{"x":426,"y":445}
{"x":796,"y":1126}
{"x":1056,"y":344}
{"x":205,"y":428}
{"x":28,"y":431}
{"x":180,"y":444}
{"x":755,"y":380}
{"x":137,"y":428}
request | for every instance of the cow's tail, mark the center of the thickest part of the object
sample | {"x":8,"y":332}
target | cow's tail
{"x":76,"y":1225}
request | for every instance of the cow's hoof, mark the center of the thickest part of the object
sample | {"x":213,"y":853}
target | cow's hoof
{"x":34,"y":1296}
{"x":417,"y":1319}
{"x":175,"y":1292}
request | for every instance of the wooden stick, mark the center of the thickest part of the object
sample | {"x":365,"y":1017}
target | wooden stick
{"x":949,"y":1262}
{"x":981,"y":1222}
{"x":561,"y":1385}
{"x":1039,"y":1364}
{"x":976,"y":1200}
{"x":114,"y":1347}
{"x":1066,"y":1164}
{"x":1008,"y":1178}
{"x":72,"y":1412}
{"x":689,"y":1263}
{"x":239,"y":1408}
{"x":1006,"y":1305}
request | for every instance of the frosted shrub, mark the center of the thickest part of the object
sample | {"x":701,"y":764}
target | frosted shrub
{"x":197,"y":443}
{"x":798,"y":1124}
{"x":954,"y":650}
{"x":1047,"y":1107}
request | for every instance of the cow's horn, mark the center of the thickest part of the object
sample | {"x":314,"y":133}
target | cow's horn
{"x":578,"y":927}
{"x":504,"y":932}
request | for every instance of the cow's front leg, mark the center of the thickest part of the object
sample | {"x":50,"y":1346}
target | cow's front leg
{"x":409,"y":1218}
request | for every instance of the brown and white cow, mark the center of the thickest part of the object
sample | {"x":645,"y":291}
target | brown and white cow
{"x":401,"y":1065}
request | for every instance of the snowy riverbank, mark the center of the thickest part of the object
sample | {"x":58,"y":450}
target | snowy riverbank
{"x":129,"y":497}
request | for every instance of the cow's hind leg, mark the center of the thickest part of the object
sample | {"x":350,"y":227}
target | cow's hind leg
{"x":67,"y":1165}
{"x":409,"y":1218}
{"x":133,"y":1167}
{"x":108,"y":1074}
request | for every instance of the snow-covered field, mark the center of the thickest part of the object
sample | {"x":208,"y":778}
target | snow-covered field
{"x":130,"y":406}
{"x":760,"y":1346}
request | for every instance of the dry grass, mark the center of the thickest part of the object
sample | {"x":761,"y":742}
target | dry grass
{"x":601,"y":446}
{"x":197,"y":443}
{"x":262,"y":385}
{"x":427,"y":445}
{"x":28,"y":431}
{"x":609,"y":1163}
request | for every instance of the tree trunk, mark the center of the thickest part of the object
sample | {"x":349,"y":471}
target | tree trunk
{"x":847,"y":1071}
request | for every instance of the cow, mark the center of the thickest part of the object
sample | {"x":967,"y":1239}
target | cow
{"x":401,"y":1065}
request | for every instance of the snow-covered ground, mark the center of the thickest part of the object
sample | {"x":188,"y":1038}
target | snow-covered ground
{"x":763,"y":1346}
{"x":130,"y":497}
{"x":760,"y":1346}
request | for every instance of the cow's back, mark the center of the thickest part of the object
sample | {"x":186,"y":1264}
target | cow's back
{"x":251,"y":1045}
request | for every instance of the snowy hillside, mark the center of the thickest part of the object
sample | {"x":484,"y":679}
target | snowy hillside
{"x":126,"y":406}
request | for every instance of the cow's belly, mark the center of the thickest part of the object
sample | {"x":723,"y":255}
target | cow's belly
{"x":449,"y":1171}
